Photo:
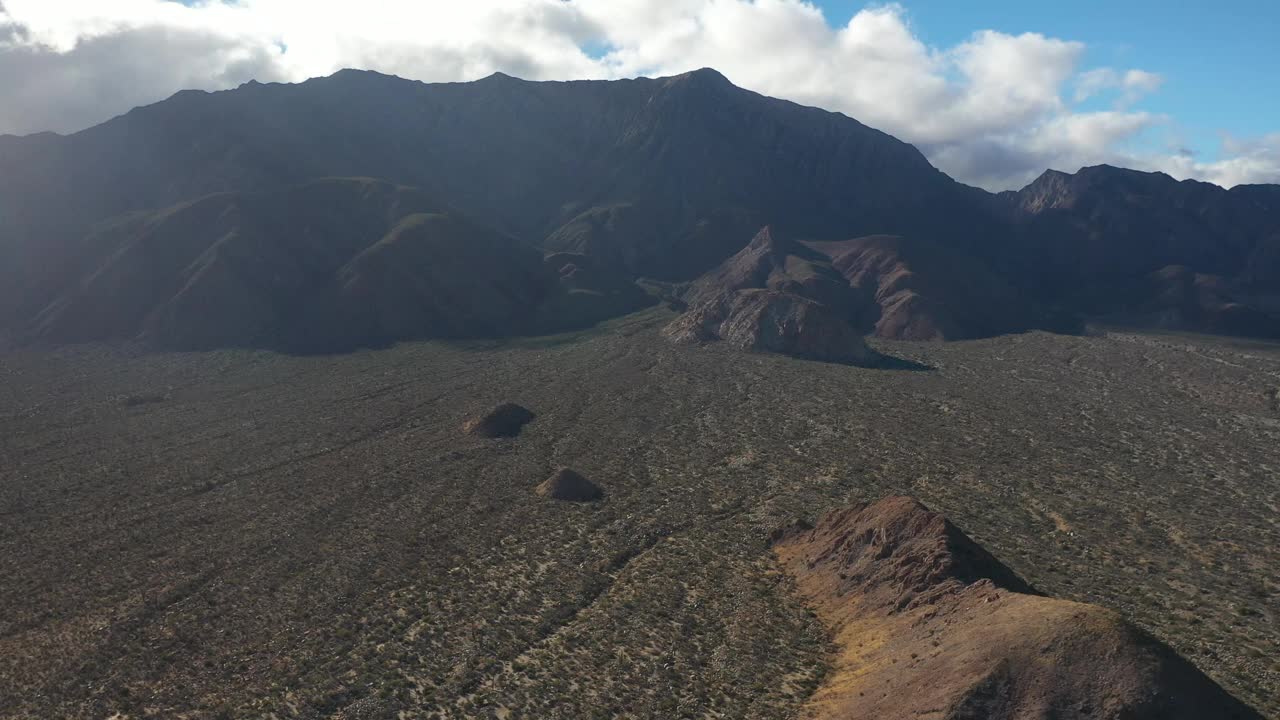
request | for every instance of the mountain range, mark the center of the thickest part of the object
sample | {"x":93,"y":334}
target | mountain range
{"x":360,"y":208}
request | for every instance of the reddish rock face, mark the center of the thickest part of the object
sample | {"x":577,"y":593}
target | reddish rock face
{"x":773,"y":262}
{"x":924,"y":290}
{"x":771,"y":321}
{"x":889,"y":286}
{"x":929,"y":624}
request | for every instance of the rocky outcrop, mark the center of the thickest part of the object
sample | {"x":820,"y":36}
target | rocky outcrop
{"x":773,"y":321}
{"x":503,"y":421}
{"x":923,"y":290}
{"x":887,"y":285}
{"x":930,"y":625}
{"x":568,"y":485}
{"x":773,"y":262}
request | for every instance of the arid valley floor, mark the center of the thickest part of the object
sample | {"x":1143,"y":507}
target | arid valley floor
{"x":247,"y":534}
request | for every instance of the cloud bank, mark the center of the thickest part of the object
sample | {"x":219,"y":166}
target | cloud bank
{"x":994,"y":110}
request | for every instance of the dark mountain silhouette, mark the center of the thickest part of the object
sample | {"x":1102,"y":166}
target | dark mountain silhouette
{"x":1104,"y":231}
{"x":330,"y":264}
{"x":1110,"y":222}
{"x":662,"y":178}
{"x":589,"y":291}
{"x":1177,"y":297}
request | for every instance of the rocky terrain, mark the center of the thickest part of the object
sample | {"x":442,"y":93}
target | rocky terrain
{"x":888,"y":286}
{"x":929,"y":624}
{"x":248,"y":534}
{"x":355,"y":398}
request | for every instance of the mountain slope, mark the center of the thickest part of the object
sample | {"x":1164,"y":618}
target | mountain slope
{"x":662,"y":178}
{"x":1097,"y":242}
{"x":776,"y":262}
{"x":926,"y":290}
{"x":703,"y":160}
{"x":1105,"y":223}
{"x":325,"y":265}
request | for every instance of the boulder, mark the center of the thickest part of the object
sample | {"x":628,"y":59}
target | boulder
{"x":504,"y":420}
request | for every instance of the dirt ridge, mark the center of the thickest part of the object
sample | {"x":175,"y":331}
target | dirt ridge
{"x":930,"y":625}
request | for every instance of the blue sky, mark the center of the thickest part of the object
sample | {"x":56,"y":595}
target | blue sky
{"x":1220,"y":61}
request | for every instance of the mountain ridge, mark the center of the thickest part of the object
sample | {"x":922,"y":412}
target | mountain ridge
{"x":661,"y":178}
{"x":332,"y":264}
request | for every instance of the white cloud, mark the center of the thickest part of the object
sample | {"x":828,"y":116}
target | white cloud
{"x":994,"y":110}
{"x":1132,"y":85}
{"x":66,"y":65}
{"x":1244,"y":162}
{"x":1065,"y":141}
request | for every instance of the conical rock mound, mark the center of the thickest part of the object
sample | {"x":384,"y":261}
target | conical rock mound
{"x":504,"y":420}
{"x":566,"y":484}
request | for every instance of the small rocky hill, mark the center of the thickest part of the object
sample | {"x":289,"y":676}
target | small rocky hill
{"x":893,"y":287}
{"x":569,"y":486}
{"x":930,"y":625}
{"x":775,"y":262}
{"x":502,"y":421}
{"x":773,"y":321}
